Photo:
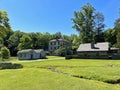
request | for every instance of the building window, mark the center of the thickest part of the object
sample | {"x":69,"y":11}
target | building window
{"x":51,"y":43}
{"x":54,"y":43}
{"x":24,"y":54}
{"x":20,"y":54}
{"x":40,"y":55}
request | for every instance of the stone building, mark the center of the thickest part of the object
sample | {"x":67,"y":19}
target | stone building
{"x":55,"y":44}
{"x":97,"y":50}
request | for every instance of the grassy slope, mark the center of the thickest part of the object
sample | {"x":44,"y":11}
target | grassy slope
{"x":40,"y":79}
{"x":33,"y":77}
{"x":107,"y":71}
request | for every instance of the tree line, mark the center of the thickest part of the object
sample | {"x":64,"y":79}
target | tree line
{"x":89,"y":24}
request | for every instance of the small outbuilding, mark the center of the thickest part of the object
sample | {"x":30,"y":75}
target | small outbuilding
{"x":30,"y":54}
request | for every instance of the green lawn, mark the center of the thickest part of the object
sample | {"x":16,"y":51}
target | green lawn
{"x":58,"y":75}
{"x":53,"y":57}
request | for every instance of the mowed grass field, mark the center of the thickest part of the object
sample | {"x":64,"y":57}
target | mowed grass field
{"x":61,"y":74}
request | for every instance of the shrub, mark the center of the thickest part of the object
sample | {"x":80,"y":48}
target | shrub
{"x":5,"y":53}
{"x":60,"y":52}
{"x":10,"y":66}
{"x":0,"y":56}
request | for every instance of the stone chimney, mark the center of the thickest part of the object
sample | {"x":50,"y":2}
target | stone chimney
{"x":92,"y":45}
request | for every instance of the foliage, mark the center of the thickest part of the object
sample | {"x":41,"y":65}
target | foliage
{"x":10,"y":66}
{"x":99,"y":27}
{"x":117,"y":28}
{"x":35,"y":40}
{"x":1,"y":42}
{"x":76,"y":42}
{"x":5,"y":53}
{"x":89,"y":24}
{"x":58,"y":35}
{"x":25,"y":42}
{"x":14,"y":41}
{"x":46,"y":37}
{"x":0,"y":56}
{"x":4,"y":24}
{"x":84,"y":22}
{"x":60,"y":51}
{"x":110,"y":36}
{"x":5,"y":29}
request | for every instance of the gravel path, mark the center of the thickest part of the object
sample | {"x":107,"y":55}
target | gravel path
{"x":41,"y":59}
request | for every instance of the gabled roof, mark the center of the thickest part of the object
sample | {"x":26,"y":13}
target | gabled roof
{"x":104,"y":46}
{"x":30,"y":50}
{"x":25,"y":51}
{"x":38,"y":50}
{"x":58,"y":40}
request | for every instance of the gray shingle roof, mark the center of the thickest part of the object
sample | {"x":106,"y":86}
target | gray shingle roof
{"x":104,"y":46}
{"x":38,"y":50}
{"x":58,"y":40}
{"x":25,"y":51}
{"x":30,"y":50}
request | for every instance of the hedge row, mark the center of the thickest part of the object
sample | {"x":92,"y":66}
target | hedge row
{"x":10,"y":66}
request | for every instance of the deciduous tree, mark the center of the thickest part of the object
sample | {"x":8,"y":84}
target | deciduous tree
{"x":99,"y":27}
{"x":84,"y":23}
{"x":25,"y":42}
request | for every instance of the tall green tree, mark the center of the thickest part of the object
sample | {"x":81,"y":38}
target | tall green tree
{"x":14,"y":41}
{"x":35,"y":40}
{"x":5,"y":29}
{"x":117,"y":28}
{"x":25,"y":42}
{"x":0,"y":56}
{"x":76,"y":42}
{"x":1,"y":42}
{"x":110,"y":36}
{"x":46,"y":37}
{"x":84,"y":23}
{"x":99,"y":27}
{"x":58,"y":35}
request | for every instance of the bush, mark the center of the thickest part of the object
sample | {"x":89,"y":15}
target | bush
{"x":0,"y":56}
{"x":10,"y":66}
{"x":5,"y":53}
{"x":60,"y":52}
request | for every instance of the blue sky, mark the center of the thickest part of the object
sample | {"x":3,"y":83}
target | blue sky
{"x":54,"y":15}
